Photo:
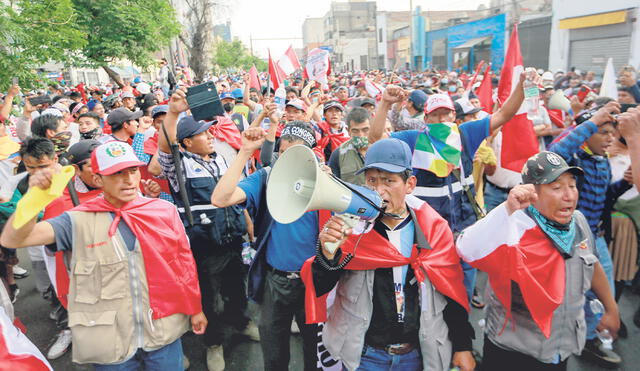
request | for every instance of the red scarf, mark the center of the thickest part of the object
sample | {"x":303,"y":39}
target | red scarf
{"x":440,"y":264}
{"x":170,"y":268}
{"x":330,"y":138}
{"x":227,"y":131}
{"x":55,"y":208}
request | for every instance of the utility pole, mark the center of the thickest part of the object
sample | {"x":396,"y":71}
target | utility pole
{"x":411,"y":35}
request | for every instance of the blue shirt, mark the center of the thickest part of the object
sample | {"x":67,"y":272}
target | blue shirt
{"x":288,"y":246}
{"x":446,"y":195}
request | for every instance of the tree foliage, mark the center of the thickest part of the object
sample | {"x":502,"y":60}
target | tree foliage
{"x":131,"y":29}
{"x":34,"y":32}
{"x":234,"y":54}
{"x":92,"y":33}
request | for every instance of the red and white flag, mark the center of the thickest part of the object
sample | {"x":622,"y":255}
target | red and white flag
{"x":485,"y":91}
{"x":289,"y":61}
{"x":275,"y":73}
{"x":374,"y":90}
{"x":517,"y":251}
{"x":17,"y":352}
{"x":519,"y":141}
{"x":254,"y":79}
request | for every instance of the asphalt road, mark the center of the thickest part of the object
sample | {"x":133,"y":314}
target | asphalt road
{"x":242,"y":354}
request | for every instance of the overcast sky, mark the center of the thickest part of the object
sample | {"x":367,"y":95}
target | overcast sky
{"x":284,"y":18}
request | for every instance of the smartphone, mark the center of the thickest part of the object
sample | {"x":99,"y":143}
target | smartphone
{"x":204,"y":101}
{"x":583,"y":92}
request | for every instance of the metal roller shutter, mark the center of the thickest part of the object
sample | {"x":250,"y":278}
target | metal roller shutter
{"x":592,"y":55}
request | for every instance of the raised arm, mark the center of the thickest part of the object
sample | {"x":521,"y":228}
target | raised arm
{"x":392,"y":94}
{"x":227,"y":192}
{"x":5,"y":111}
{"x":629,"y":126}
{"x":177,"y":105}
{"x":32,"y":233}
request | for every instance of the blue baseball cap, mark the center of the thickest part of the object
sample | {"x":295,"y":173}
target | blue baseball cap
{"x":419,"y":98}
{"x":391,"y":155}
{"x":188,"y":127}
{"x":237,"y":93}
{"x":157,"y":110}
{"x":227,"y":95}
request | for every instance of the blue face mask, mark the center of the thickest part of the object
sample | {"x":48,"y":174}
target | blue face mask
{"x":444,"y":81}
{"x":453,"y":88}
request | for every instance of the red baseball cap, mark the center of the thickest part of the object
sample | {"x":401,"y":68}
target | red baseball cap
{"x":111,"y":157}
{"x":436,"y":101}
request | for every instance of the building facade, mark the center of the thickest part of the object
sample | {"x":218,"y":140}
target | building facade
{"x":585,"y":34}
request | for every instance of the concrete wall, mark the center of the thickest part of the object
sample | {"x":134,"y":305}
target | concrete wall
{"x":559,"y":43}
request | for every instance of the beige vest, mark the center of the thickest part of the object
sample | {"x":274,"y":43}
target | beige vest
{"x":109,"y":312}
{"x":349,"y":317}
{"x":568,"y":332}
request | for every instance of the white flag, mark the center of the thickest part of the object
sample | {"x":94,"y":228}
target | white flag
{"x":609,"y":88}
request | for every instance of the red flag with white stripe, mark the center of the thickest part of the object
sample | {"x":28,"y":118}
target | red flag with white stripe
{"x":289,"y":61}
{"x":519,"y":141}
{"x":17,"y":352}
{"x":517,"y":251}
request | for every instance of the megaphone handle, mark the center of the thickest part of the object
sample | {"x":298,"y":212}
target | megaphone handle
{"x":350,"y":221}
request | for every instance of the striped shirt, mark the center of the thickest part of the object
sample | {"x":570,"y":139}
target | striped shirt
{"x":595,"y":190}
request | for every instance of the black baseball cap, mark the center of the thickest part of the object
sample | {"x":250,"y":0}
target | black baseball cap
{"x":119,"y":116}
{"x":333,"y":104}
{"x":188,"y":127}
{"x":81,"y":151}
{"x":545,"y":167}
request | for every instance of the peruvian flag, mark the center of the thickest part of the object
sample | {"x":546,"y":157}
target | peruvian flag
{"x":289,"y":62}
{"x":17,"y":352}
{"x":485,"y":91}
{"x":517,"y":251}
{"x":254,"y":79}
{"x":519,"y":141}
{"x":275,"y":73}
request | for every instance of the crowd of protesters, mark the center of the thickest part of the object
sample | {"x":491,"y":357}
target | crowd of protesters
{"x":164,"y":226}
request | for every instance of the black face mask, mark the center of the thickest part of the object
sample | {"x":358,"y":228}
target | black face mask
{"x":91,"y":134}
{"x":228,"y":107}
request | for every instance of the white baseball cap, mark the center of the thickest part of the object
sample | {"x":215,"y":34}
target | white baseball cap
{"x":436,"y":101}
{"x":114,"y":156}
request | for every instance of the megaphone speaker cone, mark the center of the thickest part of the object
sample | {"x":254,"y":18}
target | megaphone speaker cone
{"x":297,"y":184}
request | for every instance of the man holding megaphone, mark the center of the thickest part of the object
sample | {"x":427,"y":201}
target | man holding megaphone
{"x":400,"y":300}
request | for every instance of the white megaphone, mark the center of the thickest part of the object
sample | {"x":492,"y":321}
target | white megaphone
{"x":297,"y":184}
{"x":559,"y":101}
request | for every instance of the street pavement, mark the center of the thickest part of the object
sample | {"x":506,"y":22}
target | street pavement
{"x":242,"y":354}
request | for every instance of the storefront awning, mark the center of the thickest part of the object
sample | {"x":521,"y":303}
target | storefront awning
{"x":471,"y":43}
{"x":594,"y":20}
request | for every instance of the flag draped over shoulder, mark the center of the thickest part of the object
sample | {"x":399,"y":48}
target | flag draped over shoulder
{"x":439,"y":264}
{"x":438,"y":149}
{"x":519,"y":141}
{"x":517,"y":250}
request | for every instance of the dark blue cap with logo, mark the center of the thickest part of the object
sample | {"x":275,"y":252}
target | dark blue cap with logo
{"x":158,"y":110}
{"x":391,"y":155}
{"x":188,"y":127}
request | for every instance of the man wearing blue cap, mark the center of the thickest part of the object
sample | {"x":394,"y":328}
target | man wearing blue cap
{"x":229,"y":103}
{"x":216,"y":236}
{"x":408,"y":116}
{"x":403,"y":304}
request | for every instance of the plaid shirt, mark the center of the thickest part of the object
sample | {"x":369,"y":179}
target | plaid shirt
{"x":215,"y":165}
